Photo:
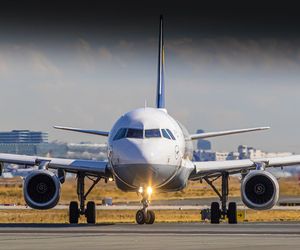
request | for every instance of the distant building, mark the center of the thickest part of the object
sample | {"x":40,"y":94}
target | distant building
{"x":244,"y":152}
{"x":203,"y":144}
{"x":203,"y":151}
{"x":23,"y":136}
{"x":22,"y":141}
{"x":202,"y":155}
{"x":233,"y":156}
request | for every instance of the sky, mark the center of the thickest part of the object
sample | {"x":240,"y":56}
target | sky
{"x":84,"y":65}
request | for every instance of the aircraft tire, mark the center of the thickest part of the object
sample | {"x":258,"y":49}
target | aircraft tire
{"x":215,"y":213}
{"x":150,"y":217}
{"x":232,"y":213}
{"x":90,"y":212}
{"x":140,"y":217}
{"x":73,"y":212}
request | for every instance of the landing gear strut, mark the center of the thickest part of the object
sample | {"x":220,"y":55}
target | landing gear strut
{"x":90,"y":210}
{"x":216,"y":212}
{"x":144,"y":215}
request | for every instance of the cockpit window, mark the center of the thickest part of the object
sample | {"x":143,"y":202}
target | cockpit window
{"x":134,"y":133}
{"x":120,"y":134}
{"x":139,"y":133}
{"x":150,"y":133}
{"x":165,"y":134}
{"x":171,"y":134}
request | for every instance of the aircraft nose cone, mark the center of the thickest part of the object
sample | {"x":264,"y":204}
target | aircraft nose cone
{"x":142,"y":163}
{"x":133,"y":152}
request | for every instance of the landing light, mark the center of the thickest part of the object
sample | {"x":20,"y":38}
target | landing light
{"x":141,"y":190}
{"x":149,"y":190}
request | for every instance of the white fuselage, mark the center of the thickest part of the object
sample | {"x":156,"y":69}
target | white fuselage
{"x":147,"y":147}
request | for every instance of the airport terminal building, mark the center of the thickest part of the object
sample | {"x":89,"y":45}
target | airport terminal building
{"x":21,"y":141}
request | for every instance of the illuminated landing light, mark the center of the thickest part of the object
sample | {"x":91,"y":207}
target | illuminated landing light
{"x":149,"y":190}
{"x":110,"y":179}
{"x":141,"y":190}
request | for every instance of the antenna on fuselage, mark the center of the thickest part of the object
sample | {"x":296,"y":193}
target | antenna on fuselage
{"x":160,"y":92}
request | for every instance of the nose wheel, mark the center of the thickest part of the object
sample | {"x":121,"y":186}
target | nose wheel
{"x":144,"y":215}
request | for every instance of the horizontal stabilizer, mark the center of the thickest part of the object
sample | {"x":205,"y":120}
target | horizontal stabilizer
{"x":87,"y":131}
{"x":228,"y":132}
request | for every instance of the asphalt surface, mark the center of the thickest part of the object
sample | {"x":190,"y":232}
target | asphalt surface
{"x":158,"y":236}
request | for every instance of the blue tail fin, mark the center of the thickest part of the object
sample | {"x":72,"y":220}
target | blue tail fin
{"x":160,"y":95}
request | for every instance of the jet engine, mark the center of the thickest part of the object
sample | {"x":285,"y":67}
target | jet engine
{"x":41,"y":189}
{"x":260,"y":190}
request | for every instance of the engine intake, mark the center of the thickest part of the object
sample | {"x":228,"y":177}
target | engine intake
{"x":260,"y":190}
{"x":41,"y":189}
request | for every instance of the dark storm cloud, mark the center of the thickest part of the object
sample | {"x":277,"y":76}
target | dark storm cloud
{"x":50,"y":19}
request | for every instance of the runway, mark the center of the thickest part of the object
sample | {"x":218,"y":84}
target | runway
{"x":158,"y":236}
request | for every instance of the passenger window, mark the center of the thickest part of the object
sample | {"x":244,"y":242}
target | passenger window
{"x":134,"y":133}
{"x":150,"y":133}
{"x":165,"y":134}
{"x":171,"y":134}
{"x":120,"y":134}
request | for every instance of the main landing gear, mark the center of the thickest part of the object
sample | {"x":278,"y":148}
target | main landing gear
{"x":90,"y":210}
{"x":144,"y":215}
{"x":216,"y":212}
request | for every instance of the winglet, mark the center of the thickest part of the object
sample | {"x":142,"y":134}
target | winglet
{"x":160,"y":93}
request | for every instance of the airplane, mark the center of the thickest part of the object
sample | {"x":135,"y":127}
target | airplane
{"x":12,"y":171}
{"x":150,"y":151}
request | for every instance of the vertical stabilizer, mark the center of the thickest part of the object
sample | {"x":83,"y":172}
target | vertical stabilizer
{"x":160,"y":95}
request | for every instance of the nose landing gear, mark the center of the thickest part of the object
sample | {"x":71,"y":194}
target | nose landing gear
{"x":144,"y":215}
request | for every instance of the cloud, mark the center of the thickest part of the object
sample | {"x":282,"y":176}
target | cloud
{"x":83,"y":45}
{"x":124,"y":44}
{"x":27,"y":60}
{"x":85,"y":54}
{"x":105,"y":54}
{"x":3,"y":65}
{"x":238,"y":54}
{"x":93,"y":58}
{"x":41,"y":64}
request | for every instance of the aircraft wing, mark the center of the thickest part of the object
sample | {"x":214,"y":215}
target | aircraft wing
{"x":215,"y":168}
{"x":228,"y":132}
{"x":96,"y":168}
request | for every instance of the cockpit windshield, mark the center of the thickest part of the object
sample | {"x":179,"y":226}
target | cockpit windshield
{"x":139,"y":133}
{"x":151,"y":133}
{"x":171,"y":134}
{"x":134,"y":133}
{"x":165,"y":134}
{"x":120,"y":134}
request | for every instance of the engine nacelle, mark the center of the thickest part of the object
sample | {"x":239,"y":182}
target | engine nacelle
{"x":260,"y":190}
{"x":1,"y":168}
{"x":41,"y":189}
